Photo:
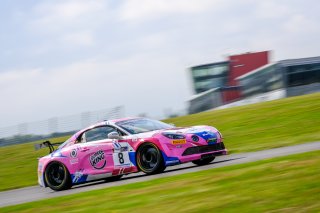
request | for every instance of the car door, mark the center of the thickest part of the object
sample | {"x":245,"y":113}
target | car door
{"x":96,"y":151}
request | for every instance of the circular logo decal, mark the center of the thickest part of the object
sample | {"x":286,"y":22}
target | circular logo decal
{"x":97,"y":160}
{"x":73,"y":153}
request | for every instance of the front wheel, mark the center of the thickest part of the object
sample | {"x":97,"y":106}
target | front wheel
{"x":203,"y":161}
{"x":149,"y":159}
{"x":57,"y":176}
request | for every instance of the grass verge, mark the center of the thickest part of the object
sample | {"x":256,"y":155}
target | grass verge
{"x":264,"y":125}
{"x":284,"y":184}
{"x":19,"y":164}
{"x":248,"y":128}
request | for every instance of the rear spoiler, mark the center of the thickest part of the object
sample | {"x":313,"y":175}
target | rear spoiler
{"x":47,"y":144}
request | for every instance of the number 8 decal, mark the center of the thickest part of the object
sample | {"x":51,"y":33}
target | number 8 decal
{"x":120,"y":156}
{"x":121,"y":159}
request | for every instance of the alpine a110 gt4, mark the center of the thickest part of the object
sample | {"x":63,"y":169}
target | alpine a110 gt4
{"x":110,"y":149}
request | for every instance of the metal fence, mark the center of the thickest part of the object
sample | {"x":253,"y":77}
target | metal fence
{"x":65,"y":124}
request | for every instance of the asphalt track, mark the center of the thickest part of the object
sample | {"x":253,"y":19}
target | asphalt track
{"x":34,"y":193}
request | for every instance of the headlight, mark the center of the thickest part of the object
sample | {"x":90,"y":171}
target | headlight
{"x":195,"y":138}
{"x":173,"y":136}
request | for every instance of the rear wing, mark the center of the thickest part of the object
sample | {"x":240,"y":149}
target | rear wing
{"x":47,"y":144}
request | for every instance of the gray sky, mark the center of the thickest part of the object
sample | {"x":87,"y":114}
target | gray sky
{"x":63,"y":57}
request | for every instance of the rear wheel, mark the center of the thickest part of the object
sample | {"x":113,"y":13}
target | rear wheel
{"x":149,"y":159}
{"x":203,"y":161}
{"x":57,"y":176}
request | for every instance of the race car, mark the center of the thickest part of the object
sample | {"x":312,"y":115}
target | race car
{"x":113,"y":148}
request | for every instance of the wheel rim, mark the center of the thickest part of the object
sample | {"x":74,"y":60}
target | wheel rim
{"x":56,"y":174}
{"x":149,"y":158}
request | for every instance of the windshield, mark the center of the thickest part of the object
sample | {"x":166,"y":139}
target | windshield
{"x":141,"y":125}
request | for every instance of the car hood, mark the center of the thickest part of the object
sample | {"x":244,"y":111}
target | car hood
{"x":177,"y":130}
{"x":191,"y":130}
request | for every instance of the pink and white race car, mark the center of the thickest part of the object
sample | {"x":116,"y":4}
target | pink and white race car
{"x":113,"y":148}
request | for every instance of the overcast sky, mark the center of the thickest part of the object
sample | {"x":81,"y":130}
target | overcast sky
{"x":63,"y":57}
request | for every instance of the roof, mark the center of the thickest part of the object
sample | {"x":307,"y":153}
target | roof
{"x":255,"y":71}
{"x":211,"y":64}
{"x":102,"y":123}
{"x":300,"y":61}
{"x":122,"y":119}
{"x":203,"y":93}
{"x":249,"y":53}
{"x":284,"y":63}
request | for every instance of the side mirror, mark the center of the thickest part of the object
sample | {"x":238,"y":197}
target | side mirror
{"x":114,"y":135}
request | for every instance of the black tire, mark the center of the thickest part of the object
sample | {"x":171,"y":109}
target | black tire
{"x":149,"y":159}
{"x":113,"y":178}
{"x":205,"y":161}
{"x":57,"y":176}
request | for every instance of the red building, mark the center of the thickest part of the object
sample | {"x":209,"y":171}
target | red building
{"x":215,"y":84}
{"x":240,"y":65}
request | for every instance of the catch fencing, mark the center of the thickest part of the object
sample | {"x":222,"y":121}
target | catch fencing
{"x":55,"y":126}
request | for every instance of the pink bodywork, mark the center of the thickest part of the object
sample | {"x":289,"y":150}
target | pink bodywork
{"x":110,"y":157}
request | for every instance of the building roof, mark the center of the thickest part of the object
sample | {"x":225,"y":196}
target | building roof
{"x":284,"y":63}
{"x":299,"y":61}
{"x":211,"y":64}
{"x":203,"y":93}
{"x":249,"y":53}
{"x":255,"y":71}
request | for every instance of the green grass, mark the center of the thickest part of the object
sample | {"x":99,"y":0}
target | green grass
{"x":19,"y":164}
{"x":247,"y":128}
{"x":285,"y":184}
{"x":265,"y":125}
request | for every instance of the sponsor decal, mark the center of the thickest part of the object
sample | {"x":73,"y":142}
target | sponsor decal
{"x":178,"y":141}
{"x":206,"y":135}
{"x":170,"y":160}
{"x":121,"y":159}
{"x":196,"y":129}
{"x":73,"y":153}
{"x":77,"y":176}
{"x":212,"y":140}
{"x":116,"y":145}
{"x":124,"y":149}
{"x":97,"y":160}
{"x":74,"y":161}
{"x":121,"y":171}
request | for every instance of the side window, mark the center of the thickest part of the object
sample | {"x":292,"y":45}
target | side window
{"x":98,"y":133}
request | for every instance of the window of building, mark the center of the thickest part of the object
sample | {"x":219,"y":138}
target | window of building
{"x":262,"y":81}
{"x":303,"y":74}
{"x":209,"y":76}
{"x":199,"y":72}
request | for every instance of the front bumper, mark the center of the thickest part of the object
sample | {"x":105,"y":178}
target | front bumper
{"x":198,"y":152}
{"x":204,"y":149}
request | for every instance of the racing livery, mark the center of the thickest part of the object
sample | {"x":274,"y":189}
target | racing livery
{"x":110,"y":149}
